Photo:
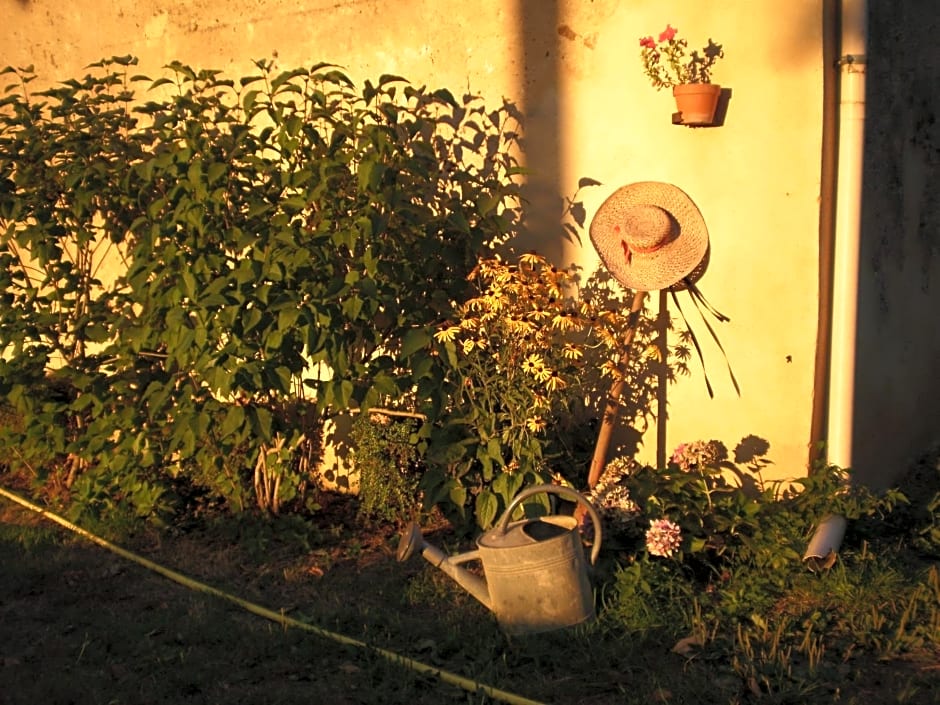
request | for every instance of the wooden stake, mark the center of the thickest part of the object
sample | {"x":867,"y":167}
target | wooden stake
{"x":612,"y":408}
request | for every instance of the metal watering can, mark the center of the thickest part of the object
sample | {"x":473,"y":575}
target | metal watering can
{"x":536,"y":576}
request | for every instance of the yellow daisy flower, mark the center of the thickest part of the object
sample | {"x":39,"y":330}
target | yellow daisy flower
{"x":534,"y":365}
{"x":564,"y":321}
{"x":535,"y":425}
{"x":447,"y":334}
{"x":531,"y":258}
{"x":554,"y":382}
{"x":570,"y":352}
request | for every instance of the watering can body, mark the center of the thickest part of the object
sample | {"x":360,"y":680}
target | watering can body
{"x":536,"y":572}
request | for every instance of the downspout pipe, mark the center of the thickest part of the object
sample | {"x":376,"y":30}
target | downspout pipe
{"x":828,"y":536}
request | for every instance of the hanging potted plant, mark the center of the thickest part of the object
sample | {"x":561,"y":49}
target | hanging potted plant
{"x":668,"y":64}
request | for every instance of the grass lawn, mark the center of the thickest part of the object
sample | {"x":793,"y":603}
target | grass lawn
{"x":81,"y":625}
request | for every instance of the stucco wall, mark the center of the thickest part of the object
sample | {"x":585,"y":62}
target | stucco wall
{"x":897,"y":414}
{"x":573,"y":68}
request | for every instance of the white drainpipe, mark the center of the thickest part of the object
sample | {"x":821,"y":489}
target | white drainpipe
{"x":853,"y":54}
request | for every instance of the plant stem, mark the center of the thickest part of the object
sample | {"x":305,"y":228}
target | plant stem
{"x":392,"y":412}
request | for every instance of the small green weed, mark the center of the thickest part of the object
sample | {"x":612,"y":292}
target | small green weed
{"x":387,"y":462}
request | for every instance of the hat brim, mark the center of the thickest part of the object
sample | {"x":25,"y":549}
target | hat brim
{"x":669,"y":264}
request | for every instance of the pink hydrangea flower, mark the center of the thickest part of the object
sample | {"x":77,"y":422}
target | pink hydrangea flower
{"x":663,"y":538}
{"x":699,"y":455}
{"x":678,"y":455}
{"x":648,"y":42}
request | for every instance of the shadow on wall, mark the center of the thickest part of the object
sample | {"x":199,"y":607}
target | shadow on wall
{"x":541,"y":30}
{"x":897,"y":403}
{"x":541,"y":145}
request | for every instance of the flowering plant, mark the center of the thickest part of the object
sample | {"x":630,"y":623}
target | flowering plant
{"x":522,"y":356}
{"x":688,"y":511}
{"x":666,"y":63}
{"x":699,"y":455}
{"x":521,"y":361}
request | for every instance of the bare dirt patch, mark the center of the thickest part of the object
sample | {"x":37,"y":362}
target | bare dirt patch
{"x":80,"y":624}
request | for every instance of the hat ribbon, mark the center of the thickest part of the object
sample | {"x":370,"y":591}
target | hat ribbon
{"x":628,"y":251}
{"x":698,"y":299}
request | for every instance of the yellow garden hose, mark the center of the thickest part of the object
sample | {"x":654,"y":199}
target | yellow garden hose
{"x":446,"y":676}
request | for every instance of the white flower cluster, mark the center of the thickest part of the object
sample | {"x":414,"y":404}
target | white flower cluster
{"x":663,"y":538}
{"x":611,"y":498}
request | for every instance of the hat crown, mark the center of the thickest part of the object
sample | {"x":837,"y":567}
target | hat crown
{"x":648,"y":227}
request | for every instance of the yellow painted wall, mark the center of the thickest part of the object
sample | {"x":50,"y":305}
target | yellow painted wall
{"x":756,"y":180}
{"x":573,"y":67}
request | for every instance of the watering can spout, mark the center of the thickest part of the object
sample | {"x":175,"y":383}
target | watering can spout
{"x":412,"y":540}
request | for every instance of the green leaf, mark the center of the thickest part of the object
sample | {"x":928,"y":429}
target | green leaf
{"x":194,"y":172}
{"x":507,"y":485}
{"x":585,"y":181}
{"x":385,"y":384}
{"x":352,"y":307}
{"x":342,"y":393}
{"x":415,"y":339}
{"x":284,"y":377}
{"x":216,"y":170}
{"x":273,"y":341}
{"x":451,"y":351}
{"x":186,"y":438}
{"x":189,"y":284}
{"x":487,"y":204}
{"x":487,"y":506}
{"x":262,"y":422}
{"x":368,"y":287}
{"x":458,"y":495}
{"x":422,"y":367}
{"x":287,"y":317}
{"x":495,"y":450}
{"x":251,"y":319}
{"x":96,"y":333}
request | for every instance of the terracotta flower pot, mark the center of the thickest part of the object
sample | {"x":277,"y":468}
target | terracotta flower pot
{"x":697,"y":102}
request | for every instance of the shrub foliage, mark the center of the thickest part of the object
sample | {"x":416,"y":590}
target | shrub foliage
{"x":197,"y":271}
{"x":282,"y":247}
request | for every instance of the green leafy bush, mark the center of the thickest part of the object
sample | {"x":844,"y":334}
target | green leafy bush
{"x":704,"y":558}
{"x":719,"y":524}
{"x":282,"y":246}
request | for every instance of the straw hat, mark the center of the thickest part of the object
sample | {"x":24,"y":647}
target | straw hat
{"x":649,"y":235}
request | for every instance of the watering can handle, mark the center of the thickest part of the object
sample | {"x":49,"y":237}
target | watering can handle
{"x":565,"y":492}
